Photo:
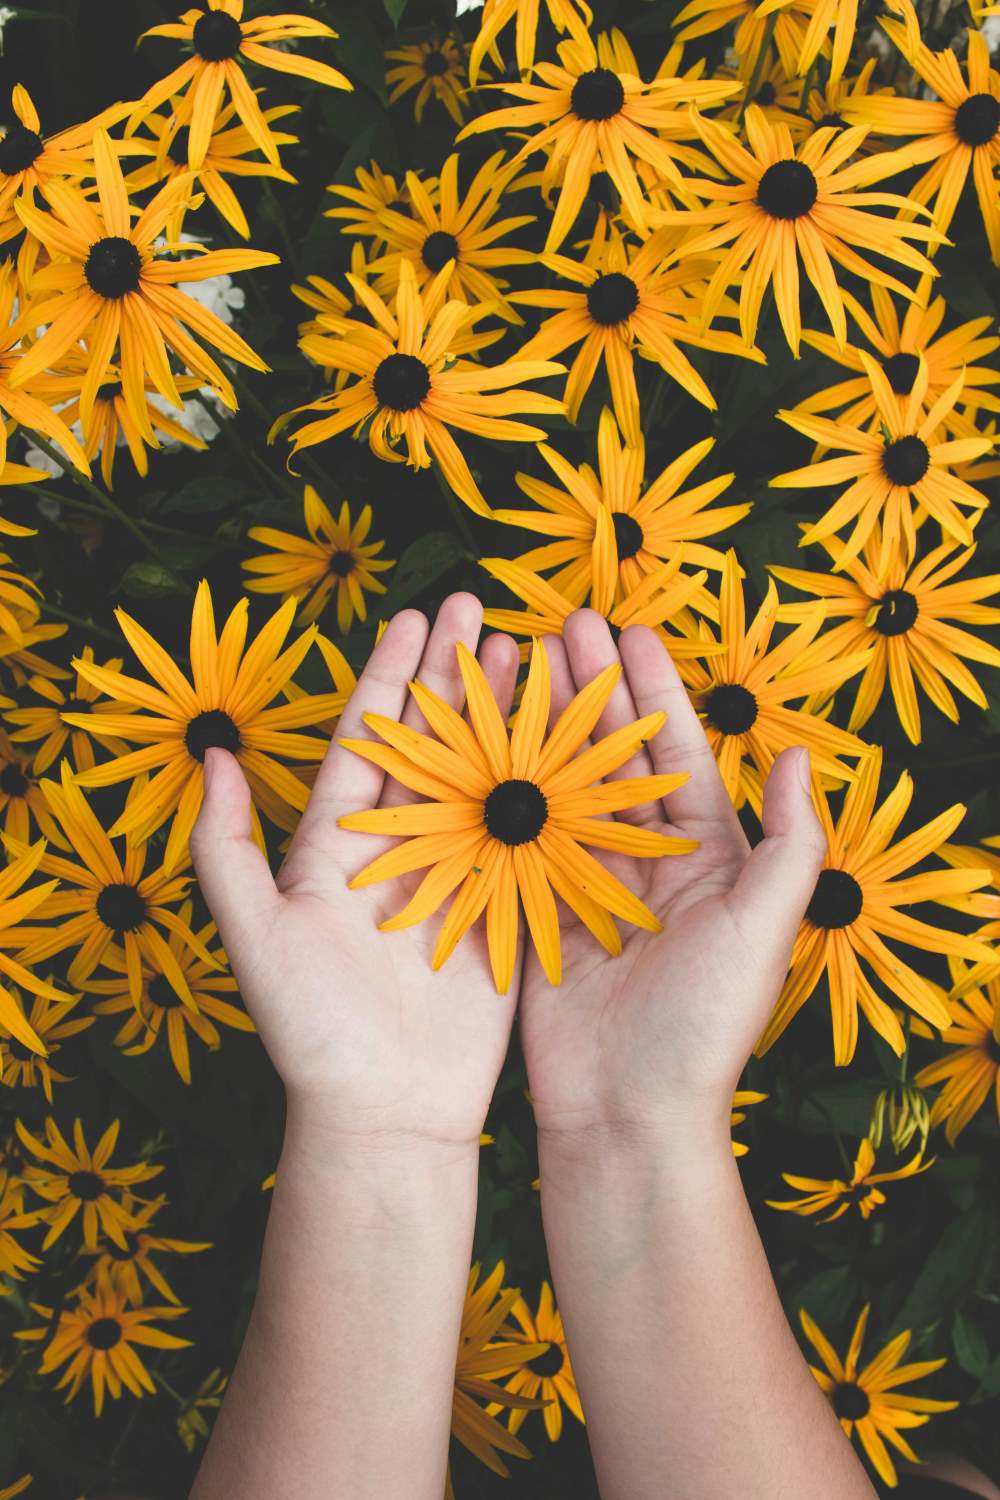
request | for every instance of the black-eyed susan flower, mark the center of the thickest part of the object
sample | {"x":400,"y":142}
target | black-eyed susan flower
{"x":480,"y":1361}
{"x":854,"y":909}
{"x":29,"y":160}
{"x":75,"y":1181}
{"x":787,"y":30}
{"x":98,"y":1334}
{"x":868,"y":1401}
{"x":15,"y":1260}
{"x":649,"y":525}
{"x":22,"y":803}
{"x":224,"y":704}
{"x":122,"y":1270}
{"x":549,"y":1375}
{"x":969,"y":1068}
{"x":510,"y":814}
{"x":778,"y":95}
{"x":742,"y":692}
{"x":221,"y":42}
{"x":410,"y":388}
{"x":15,"y":643}
{"x":52,"y":1021}
{"x":375,"y":191}
{"x":907,"y":616}
{"x":793,"y":204}
{"x":463,"y":230}
{"x":594,"y":119}
{"x":908,"y":463}
{"x":628,"y":304}
{"x":957,"y":130}
{"x":826,"y":101}
{"x":14,"y":908}
{"x":861,"y":1192}
{"x":159,"y":1012}
{"x":28,"y":408}
{"x":741,"y":1099}
{"x":574,"y":16}
{"x":111,"y":284}
{"x":334,"y":559}
{"x":45,"y":724}
{"x":435,"y":68}
{"x":333,"y":307}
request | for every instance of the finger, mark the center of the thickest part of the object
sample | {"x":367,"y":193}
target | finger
{"x":562,"y":688}
{"x":499,"y":659}
{"x":460,"y":618}
{"x":777,"y":882}
{"x":345,"y":782}
{"x":233,"y":872}
{"x":681,"y":744}
{"x":590,"y":648}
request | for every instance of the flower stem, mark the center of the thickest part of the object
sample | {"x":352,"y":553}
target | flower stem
{"x":89,"y":626}
{"x":101,"y":499}
{"x":759,"y":61}
{"x":457,"y":512}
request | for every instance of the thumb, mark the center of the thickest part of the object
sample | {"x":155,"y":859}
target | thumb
{"x":233,"y":873}
{"x":777,"y":882}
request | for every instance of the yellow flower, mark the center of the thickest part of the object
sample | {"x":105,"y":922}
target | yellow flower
{"x":741,"y":1098}
{"x":22,"y":408}
{"x":22,"y":802}
{"x":434,"y":68}
{"x":860,"y":1192}
{"x":98,"y":1334}
{"x":219,"y":38}
{"x":900,"y":1111}
{"x":191,"y":1425}
{"x":74,"y":1180}
{"x":29,"y":161}
{"x":118,"y":1270}
{"x":970,"y":1069}
{"x":47,"y":724}
{"x":333,"y":559}
{"x":15,"y":1260}
{"x":13,"y":910}
{"x":375,"y":191}
{"x":52,"y":1023}
{"x":574,"y":16}
{"x":549,"y":1375}
{"x":17,"y":1488}
{"x":868,"y":1401}
{"x":510,"y":815}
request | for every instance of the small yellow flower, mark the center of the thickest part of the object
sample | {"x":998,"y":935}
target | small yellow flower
{"x":860,"y":1192}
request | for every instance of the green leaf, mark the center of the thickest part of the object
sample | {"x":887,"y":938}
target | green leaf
{"x":207,"y":493}
{"x":394,"y":10}
{"x":151,"y":580}
{"x":827,"y":1297}
{"x":423,"y":562}
{"x":969,"y":1342}
{"x":950,"y":1271}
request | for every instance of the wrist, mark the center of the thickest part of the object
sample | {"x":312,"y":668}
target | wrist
{"x":321,"y":1141}
{"x":674,"y":1149}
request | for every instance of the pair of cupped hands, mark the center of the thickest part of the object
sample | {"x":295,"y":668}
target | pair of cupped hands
{"x":384,"y":1051}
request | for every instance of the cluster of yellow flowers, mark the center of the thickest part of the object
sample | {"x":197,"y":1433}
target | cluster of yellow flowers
{"x":672,"y":203}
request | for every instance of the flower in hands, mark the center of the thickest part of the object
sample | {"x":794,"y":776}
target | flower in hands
{"x":508,"y":815}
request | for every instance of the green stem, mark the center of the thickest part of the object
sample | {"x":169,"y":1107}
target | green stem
{"x":104,"y":501}
{"x":848,"y":1165}
{"x":92,"y":510}
{"x":807,"y":85}
{"x":88,"y":625}
{"x":278,"y":215}
{"x":457,"y":512}
{"x":905,"y":1057}
{"x":759,"y":61}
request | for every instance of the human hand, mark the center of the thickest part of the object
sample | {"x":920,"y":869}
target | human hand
{"x":657,"y":1037}
{"x":364,"y":1035}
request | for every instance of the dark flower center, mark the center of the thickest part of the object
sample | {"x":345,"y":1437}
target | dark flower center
{"x":731,"y":708}
{"x":112,"y":267}
{"x":837,"y":120}
{"x":549,"y":1363}
{"x":401,"y":382}
{"x":515,"y":812}
{"x":597,"y":95}
{"x":217,"y":36}
{"x":213,"y":727}
{"x":439,"y":248}
{"x":628,"y":534}
{"x":118,"y":1252}
{"x":612,"y":299}
{"x":19,"y":148}
{"x":341,"y":563}
{"x":766,"y":94}
{"x":435,"y":63}
{"x":787,"y":190}
{"x":85,"y":1185}
{"x":603,"y":192}
{"x":836,"y":901}
{"x":906,"y":461}
{"x":897,"y":612}
{"x":104,"y":1333}
{"x":179,"y":147}
{"x":901,"y":372}
{"x":850,"y":1401}
{"x":162,"y":993}
{"x":992,"y":1048}
{"x":121,"y":907}
{"x":13,"y":780}
{"x":856,"y":1192}
{"x":19,"y":1050}
{"x":976,"y":119}
{"x":109,"y":391}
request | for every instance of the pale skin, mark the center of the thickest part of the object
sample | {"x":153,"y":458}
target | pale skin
{"x":691,"y":1379}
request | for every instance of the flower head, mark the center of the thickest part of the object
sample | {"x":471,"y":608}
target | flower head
{"x":861,"y":1192}
{"x":77,"y":1181}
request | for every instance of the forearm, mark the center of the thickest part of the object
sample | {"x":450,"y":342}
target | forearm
{"x":344,"y":1384}
{"x":690,"y":1378}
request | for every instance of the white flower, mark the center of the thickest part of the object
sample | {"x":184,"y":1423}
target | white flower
{"x":194,"y":418}
{"x":462,"y":6}
{"x":6,"y":14}
{"x":990,"y":29}
{"x":217,"y":293}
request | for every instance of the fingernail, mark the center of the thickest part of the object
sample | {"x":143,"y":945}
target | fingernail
{"x":803,"y":767}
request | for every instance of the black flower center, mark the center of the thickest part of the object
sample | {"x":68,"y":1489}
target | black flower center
{"x":787,"y":190}
{"x":597,"y":95}
{"x":13,"y":780}
{"x":19,"y":148}
{"x":628,"y":534}
{"x":109,"y":390}
{"x":897,"y":612}
{"x":213,"y":727}
{"x":906,"y":461}
{"x":612,"y":299}
{"x":856,"y":1192}
{"x":112,"y":267}
{"x":217,"y":36}
{"x":992,"y":1048}
{"x":126,"y":1252}
{"x":603,"y":192}
{"x":549,"y":1363}
{"x":121,"y":907}
{"x":901,"y":372}
{"x":850,"y":1401}
{"x":162,"y":993}
{"x":836,"y":901}
{"x":837,"y":120}
{"x":731,"y":708}
{"x":435,"y":63}
{"x":341,"y":563}
{"x":977,"y":119}
{"x":401,"y":382}
{"x":439,"y":248}
{"x":515,"y":812}
{"x":766,"y":94}
{"x":85,"y":1185}
{"x":180,"y":147}
{"x":104,"y":1333}
{"x":19,"y":1050}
